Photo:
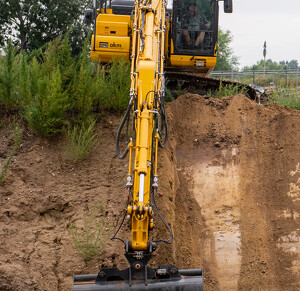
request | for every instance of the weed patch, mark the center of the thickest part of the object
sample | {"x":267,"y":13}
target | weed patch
{"x":90,"y":238}
{"x":228,"y":90}
{"x":80,"y":141}
{"x":286,"y":97}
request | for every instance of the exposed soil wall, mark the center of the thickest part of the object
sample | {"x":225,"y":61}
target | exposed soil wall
{"x":230,"y":179}
{"x":241,"y":161}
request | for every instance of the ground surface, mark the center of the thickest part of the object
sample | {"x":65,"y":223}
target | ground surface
{"x":230,"y":179}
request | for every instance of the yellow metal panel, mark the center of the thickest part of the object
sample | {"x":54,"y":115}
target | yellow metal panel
{"x":112,"y":28}
{"x":112,"y":38}
{"x":140,"y":224}
{"x":106,"y":57}
{"x":114,"y":18}
{"x":112,"y":43}
{"x":188,"y":61}
{"x":108,"y":10}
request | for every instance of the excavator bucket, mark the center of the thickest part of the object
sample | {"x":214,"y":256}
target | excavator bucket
{"x":141,"y":278}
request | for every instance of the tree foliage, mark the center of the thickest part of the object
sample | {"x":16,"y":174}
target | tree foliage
{"x":290,"y":65}
{"x":55,"y":90}
{"x":32,"y":23}
{"x":225,"y":58}
{"x":273,"y":65}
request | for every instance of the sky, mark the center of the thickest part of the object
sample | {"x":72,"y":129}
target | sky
{"x":254,"y":21}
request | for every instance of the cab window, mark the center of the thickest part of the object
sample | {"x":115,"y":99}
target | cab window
{"x":194,"y":25}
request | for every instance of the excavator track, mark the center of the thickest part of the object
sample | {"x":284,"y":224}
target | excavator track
{"x":197,"y":83}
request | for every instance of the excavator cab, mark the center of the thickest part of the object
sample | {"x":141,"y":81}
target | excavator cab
{"x":194,"y":35}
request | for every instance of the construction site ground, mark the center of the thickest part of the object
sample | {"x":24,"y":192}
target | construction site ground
{"x":230,"y":185}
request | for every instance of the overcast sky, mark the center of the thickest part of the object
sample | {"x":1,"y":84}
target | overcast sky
{"x":254,"y":21}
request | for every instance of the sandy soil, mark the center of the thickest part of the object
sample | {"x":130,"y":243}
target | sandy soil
{"x":230,"y":179}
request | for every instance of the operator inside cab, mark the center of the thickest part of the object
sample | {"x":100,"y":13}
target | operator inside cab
{"x":195,"y":26}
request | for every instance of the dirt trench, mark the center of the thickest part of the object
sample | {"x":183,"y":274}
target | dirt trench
{"x":230,"y":179}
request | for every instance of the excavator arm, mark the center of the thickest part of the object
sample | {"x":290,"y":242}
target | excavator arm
{"x":147,"y":92}
{"x":147,"y":108}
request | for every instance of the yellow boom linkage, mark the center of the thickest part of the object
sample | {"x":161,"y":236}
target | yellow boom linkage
{"x":146,"y":89}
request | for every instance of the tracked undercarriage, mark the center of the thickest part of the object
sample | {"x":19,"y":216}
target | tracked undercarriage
{"x":197,"y":83}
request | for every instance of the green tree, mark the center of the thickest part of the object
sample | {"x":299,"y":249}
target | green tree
{"x":259,"y":66}
{"x":293,"y":65}
{"x":273,"y":65}
{"x":225,"y":58}
{"x":32,"y":23}
{"x":8,"y":75}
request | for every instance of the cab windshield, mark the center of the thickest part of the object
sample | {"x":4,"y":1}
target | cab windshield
{"x":194,"y":26}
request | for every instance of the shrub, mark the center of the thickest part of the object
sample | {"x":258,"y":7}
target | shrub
{"x":114,"y":92}
{"x":90,"y":239}
{"x":85,"y":86}
{"x":81,"y":140}
{"x":23,"y":84}
{"x":46,"y":112}
{"x":54,"y":90}
{"x":8,"y":76}
{"x":286,"y":97}
{"x":227,"y":90}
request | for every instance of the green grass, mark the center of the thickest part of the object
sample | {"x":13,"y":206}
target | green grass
{"x":277,"y":79}
{"x":286,"y":97}
{"x":5,"y":168}
{"x":228,"y":90}
{"x":81,"y":140}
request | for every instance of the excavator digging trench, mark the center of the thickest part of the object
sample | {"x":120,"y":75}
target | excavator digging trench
{"x":152,"y":36}
{"x":183,"y":40}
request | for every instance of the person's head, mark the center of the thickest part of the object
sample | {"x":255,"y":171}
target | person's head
{"x":193,"y":9}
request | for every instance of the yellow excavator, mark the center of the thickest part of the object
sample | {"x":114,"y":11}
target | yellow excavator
{"x":154,"y":37}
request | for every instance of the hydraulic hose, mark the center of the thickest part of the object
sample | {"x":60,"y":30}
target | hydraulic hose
{"x":164,"y":123}
{"x":153,"y":192}
{"x":122,"y":222}
{"x":164,"y":127}
{"x":123,"y":155}
{"x":169,"y":240}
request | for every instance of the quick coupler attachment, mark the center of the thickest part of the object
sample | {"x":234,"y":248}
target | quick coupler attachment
{"x":142,"y":277}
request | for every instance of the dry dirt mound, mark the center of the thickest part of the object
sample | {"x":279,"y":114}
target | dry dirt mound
{"x":230,"y":178}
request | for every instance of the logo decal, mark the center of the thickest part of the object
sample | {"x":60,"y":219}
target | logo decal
{"x":115,"y":45}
